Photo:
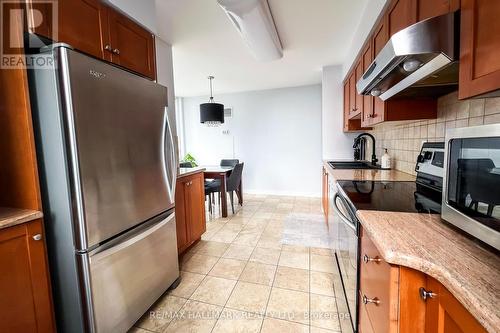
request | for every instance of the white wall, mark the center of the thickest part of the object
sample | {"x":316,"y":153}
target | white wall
{"x":276,"y":133}
{"x":142,"y":11}
{"x":165,"y":72}
{"x":336,"y":144}
{"x":369,"y":16}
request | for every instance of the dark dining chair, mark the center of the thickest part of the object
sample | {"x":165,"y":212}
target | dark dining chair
{"x":229,"y":162}
{"x":233,"y":182}
{"x":223,"y":163}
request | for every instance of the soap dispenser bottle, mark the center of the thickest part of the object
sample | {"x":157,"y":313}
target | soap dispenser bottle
{"x":386,"y":160}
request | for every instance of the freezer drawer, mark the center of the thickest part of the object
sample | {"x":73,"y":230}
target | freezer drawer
{"x":127,"y":278}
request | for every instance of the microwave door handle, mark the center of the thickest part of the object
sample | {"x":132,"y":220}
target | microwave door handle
{"x":349,"y":223}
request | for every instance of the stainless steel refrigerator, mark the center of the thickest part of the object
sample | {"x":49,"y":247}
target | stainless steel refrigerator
{"x":107,"y":163}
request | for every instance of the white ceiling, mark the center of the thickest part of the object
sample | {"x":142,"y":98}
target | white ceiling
{"x":314,"y":33}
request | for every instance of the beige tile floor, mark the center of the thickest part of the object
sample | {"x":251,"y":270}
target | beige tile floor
{"x":247,"y":275}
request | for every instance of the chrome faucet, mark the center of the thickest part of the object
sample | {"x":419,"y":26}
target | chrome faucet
{"x":358,"y":141}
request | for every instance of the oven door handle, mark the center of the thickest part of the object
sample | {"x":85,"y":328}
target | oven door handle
{"x":349,"y":223}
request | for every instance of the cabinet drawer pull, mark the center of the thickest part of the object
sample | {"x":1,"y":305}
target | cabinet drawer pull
{"x":367,"y":300}
{"x":368,"y":259}
{"x":424,"y":294}
{"x":37,"y":237}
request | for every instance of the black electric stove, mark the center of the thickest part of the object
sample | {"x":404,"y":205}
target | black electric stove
{"x":409,"y":197}
{"x":421,"y":196}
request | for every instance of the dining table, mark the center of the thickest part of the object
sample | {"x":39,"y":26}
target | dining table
{"x":222,"y":173}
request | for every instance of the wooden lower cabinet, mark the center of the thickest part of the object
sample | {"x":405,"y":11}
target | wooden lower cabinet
{"x":190,"y":210}
{"x":324,"y":192}
{"x":389,"y":299}
{"x":445,"y":314}
{"x":26,"y":301}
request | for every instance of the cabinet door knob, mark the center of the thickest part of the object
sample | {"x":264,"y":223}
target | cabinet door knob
{"x":37,"y":237}
{"x":368,"y":259}
{"x":367,"y":300}
{"x":116,"y":51}
{"x":108,"y":48}
{"x":424,"y":294}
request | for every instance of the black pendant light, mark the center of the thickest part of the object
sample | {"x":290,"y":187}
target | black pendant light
{"x":211,"y":113}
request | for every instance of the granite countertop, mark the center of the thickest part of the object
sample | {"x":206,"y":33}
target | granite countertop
{"x":183,"y":172}
{"x":368,"y":174}
{"x":10,"y":217}
{"x":425,"y":243}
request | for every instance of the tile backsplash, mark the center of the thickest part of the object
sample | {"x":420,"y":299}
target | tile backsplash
{"x":404,"y":139}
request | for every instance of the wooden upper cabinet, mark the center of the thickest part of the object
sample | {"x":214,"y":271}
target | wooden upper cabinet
{"x":352,"y":94}
{"x":346,"y":105}
{"x":358,"y":72}
{"x":367,"y":109}
{"x":100,"y":31}
{"x":379,"y":39}
{"x":133,"y":46}
{"x":83,"y":25}
{"x":429,"y":8}
{"x":43,"y":28}
{"x":26,"y":304}
{"x":479,"y":48}
{"x":445,"y":314}
{"x":400,"y":15}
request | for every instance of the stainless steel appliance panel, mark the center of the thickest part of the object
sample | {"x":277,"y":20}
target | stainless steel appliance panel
{"x":123,"y":148}
{"x":346,"y":242}
{"x":127,"y":277}
{"x":471,"y":190}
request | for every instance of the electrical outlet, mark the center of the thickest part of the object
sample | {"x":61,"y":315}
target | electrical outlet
{"x":226,"y":132}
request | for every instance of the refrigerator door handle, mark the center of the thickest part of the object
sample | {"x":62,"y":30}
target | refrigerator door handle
{"x":129,"y":242}
{"x":168,"y":158}
{"x":173,"y":153}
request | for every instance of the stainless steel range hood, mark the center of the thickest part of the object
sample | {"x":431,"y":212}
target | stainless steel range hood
{"x":419,"y":61}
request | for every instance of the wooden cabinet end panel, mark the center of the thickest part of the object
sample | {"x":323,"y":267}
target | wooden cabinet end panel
{"x":180,"y":216}
{"x":18,"y":176}
{"x":197,"y":207}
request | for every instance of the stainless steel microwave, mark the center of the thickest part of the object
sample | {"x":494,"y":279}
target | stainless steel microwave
{"x":471,"y":186}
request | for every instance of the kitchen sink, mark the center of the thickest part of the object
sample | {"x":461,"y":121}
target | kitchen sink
{"x":352,"y":165}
